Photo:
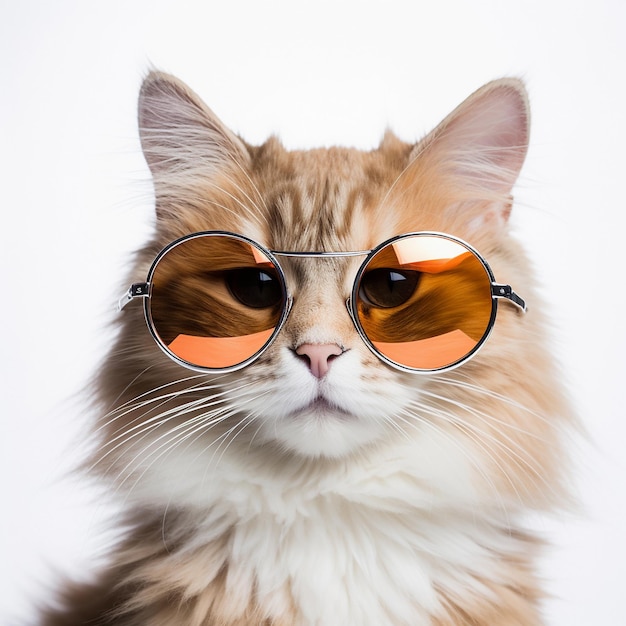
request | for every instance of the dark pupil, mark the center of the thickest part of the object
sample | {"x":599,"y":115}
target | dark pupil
{"x":255,"y":288}
{"x":386,"y":288}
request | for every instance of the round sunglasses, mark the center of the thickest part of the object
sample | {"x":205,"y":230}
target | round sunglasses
{"x":422,"y":302}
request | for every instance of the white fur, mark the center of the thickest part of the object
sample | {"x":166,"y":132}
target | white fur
{"x":374,"y":539}
{"x":364,"y":539}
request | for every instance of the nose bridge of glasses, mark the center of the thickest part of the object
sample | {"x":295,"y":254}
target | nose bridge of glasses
{"x":319,"y":255}
{"x":318,"y":275}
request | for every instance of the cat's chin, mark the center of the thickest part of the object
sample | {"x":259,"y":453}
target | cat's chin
{"x":322,"y":429}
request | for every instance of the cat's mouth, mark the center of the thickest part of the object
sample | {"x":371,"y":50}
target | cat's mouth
{"x":322,"y":407}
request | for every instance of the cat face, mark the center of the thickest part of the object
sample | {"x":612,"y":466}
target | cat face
{"x":318,"y":392}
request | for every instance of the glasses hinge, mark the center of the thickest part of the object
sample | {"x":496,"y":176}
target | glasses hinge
{"x":505,"y":291}
{"x":136,"y":290}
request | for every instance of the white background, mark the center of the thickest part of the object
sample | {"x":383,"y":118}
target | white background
{"x":75,"y":201}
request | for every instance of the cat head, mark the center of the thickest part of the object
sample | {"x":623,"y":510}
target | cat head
{"x":318,"y":392}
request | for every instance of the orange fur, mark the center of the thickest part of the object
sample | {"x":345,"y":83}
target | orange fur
{"x":503,"y":412}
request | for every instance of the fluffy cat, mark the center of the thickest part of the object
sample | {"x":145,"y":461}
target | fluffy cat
{"x":318,"y":485}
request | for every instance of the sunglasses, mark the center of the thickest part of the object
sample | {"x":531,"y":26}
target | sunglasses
{"x":422,"y":302}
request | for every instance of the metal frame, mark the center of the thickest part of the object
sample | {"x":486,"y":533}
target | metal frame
{"x":497,"y":291}
{"x":144,"y":290}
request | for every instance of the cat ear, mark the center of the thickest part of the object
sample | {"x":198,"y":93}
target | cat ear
{"x":180,"y":134}
{"x":477,"y":152}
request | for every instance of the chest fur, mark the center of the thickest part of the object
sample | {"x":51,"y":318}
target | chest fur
{"x":331,"y":563}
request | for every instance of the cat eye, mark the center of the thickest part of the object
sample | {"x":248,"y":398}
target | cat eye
{"x":255,"y":288}
{"x":422,"y":302}
{"x":386,"y":288}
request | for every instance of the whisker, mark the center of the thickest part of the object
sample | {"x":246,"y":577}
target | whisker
{"x":224,"y":436}
{"x":515,"y":451}
{"x":141,"y":430}
{"x":146,"y":394}
{"x":440,"y":431}
{"x":235,"y":430}
{"x":168,"y":443}
{"x":162,"y":400}
{"x":259,"y":216}
{"x":190,"y":430}
{"x":149,"y":397}
{"x":140,"y":427}
{"x":264,"y":213}
{"x":393,"y":185}
{"x":391,"y":421}
{"x":484,"y":417}
{"x":490,"y":393}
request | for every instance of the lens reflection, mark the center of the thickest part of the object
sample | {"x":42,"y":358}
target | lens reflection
{"x":194,"y":308}
{"x":446,"y":316}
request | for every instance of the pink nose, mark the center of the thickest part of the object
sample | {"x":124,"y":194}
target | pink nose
{"x":319,"y":356}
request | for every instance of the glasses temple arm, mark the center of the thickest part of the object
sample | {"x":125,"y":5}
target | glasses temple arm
{"x":136,"y":290}
{"x":506,"y":292}
{"x":141,"y":290}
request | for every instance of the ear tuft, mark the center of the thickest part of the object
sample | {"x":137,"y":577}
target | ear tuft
{"x":486,"y":137}
{"x":477,"y":152}
{"x":179,"y":132}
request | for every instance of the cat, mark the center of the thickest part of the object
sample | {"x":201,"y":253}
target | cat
{"x":320,"y":485}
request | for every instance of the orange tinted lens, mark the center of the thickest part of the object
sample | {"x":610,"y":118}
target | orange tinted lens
{"x":216,"y":300}
{"x":424,"y":301}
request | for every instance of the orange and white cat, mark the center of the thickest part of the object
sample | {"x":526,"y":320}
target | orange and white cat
{"x":318,"y":485}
